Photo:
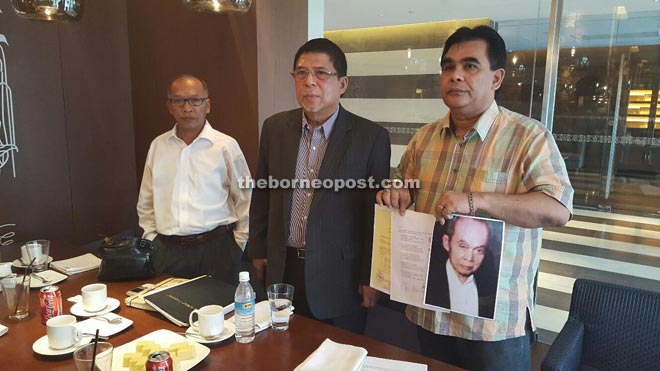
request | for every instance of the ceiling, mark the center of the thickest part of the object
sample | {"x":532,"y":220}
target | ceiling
{"x":522,"y":23}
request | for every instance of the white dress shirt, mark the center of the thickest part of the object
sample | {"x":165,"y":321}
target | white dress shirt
{"x":463,"y":297}
{"x":190,"y":189}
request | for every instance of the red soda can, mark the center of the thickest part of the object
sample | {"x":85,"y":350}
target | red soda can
{"x":159,"y":361}
{"x":50,"y":300}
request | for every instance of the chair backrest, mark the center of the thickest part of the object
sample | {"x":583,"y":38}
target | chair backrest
{"x":621,"y":325}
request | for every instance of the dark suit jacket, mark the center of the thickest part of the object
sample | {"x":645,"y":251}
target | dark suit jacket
{"x":339,"y":225}
{"x":437,"y":288}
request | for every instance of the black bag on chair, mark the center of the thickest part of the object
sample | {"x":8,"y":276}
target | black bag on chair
{"x":124,"y":259}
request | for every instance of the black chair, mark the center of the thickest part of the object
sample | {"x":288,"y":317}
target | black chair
{"x":609,"y":327}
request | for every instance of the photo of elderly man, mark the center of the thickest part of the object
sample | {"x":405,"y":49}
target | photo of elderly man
{"x":464,"y":264}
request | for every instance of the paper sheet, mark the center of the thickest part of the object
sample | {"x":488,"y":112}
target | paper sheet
{"x":381,"y":253}
{"x":383,"y":364}
{"x":411,"y":247}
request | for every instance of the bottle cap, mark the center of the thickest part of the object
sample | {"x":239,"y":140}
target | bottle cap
{"x":244,"y":276}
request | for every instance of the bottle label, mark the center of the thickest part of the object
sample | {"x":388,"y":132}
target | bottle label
{"x":244,"y":307}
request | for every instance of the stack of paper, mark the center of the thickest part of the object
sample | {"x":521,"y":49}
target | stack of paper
{"x":79,"y":264}
{"x":334,"y":356}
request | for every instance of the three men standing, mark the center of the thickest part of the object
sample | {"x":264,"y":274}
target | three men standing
{"x":479,"y":159}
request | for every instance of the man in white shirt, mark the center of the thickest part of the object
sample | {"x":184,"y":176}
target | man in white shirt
{"x":453,"y":281}
{"x":190,"y":202}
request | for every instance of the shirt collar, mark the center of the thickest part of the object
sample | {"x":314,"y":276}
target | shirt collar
{"x":451,"y":275}
{"x":327,"y":125}
{"x":206,"y":133}
{"x":483,"y":125}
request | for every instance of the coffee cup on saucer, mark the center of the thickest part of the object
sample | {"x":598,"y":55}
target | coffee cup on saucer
{"x":210,"y":322}
{"x":94,"y":297}
{"x":62,"y":333}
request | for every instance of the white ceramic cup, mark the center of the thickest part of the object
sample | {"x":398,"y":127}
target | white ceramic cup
{"x":31,"y":250}
{"x":94,"y":297}
{"x":62,"y":333}
{"x":211,"y":320}
{"x":5,"y":269}
{"x":38,"y":250}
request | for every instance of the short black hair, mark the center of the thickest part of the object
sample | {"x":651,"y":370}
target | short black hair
{"x":332,"y":50}
{"x":451,"y":228}
{"x":496,"y":48}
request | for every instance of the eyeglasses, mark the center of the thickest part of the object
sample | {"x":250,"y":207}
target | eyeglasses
{"x":179,"y":102}
{"x":301,"y":74}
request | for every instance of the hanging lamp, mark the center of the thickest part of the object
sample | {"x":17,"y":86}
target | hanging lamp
{"x":218,"y":6}
{"x":49,"y":10}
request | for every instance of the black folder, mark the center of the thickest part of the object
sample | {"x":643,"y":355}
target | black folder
{"x":177,"y":302}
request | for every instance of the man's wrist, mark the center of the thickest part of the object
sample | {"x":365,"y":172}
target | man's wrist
{"x":471,"y":203}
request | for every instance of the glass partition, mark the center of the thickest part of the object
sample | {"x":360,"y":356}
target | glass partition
{"x":607,"y":81}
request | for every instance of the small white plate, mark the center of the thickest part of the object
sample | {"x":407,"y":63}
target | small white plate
{"x":110,"y":305}
{"x":163,"y":338}
{"x":90,"y":325}
{"x":192,"y":333}
{"x":18,"y":263}
{"x":41,"y":346}
{"x":54,"y":277}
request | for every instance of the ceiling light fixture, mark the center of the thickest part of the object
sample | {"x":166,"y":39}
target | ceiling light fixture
{"x":49,"y":10}
{"x":218,"y":6}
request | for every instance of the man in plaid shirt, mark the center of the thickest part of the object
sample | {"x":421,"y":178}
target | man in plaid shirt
{"x":482,"y":159}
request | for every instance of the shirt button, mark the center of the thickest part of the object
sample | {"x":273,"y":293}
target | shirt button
{"x":313,"y":148}
{"x":454,"y":170}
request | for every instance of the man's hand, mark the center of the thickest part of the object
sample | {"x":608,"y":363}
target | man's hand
{"x":369,"y":296}
{"x":451,"y":203}
{"x":397,"y":198}
{"x":260,"y":269}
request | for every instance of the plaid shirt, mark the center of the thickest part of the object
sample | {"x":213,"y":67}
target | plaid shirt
{"x":504,"y":153}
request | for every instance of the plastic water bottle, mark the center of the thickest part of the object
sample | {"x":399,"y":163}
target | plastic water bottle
{"x":244,"y":309}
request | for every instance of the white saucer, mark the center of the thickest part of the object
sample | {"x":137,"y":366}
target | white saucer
{"x":54,"y":277}
{"x":193,"y":334}
{"x":90,"y":325}
{"x":41,"y":346}
{"x":18,"y":263}
{"x":110,"y":305}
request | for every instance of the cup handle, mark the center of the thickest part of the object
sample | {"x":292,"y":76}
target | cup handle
{"x":77,"y":335}
{"x":190,"y":318}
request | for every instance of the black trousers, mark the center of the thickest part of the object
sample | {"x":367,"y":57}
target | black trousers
{"x":294,"y":274}
{"x":219,"y":257}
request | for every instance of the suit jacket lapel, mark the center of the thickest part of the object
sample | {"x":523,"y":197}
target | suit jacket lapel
{"x":291,"y":143}
{"x":339,"y":142}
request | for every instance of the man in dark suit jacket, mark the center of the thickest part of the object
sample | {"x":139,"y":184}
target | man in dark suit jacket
{"x":462,"y":256}
{"x":319,"y":238}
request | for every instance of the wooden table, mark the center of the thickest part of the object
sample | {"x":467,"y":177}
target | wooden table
{"x":269,"y":351}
